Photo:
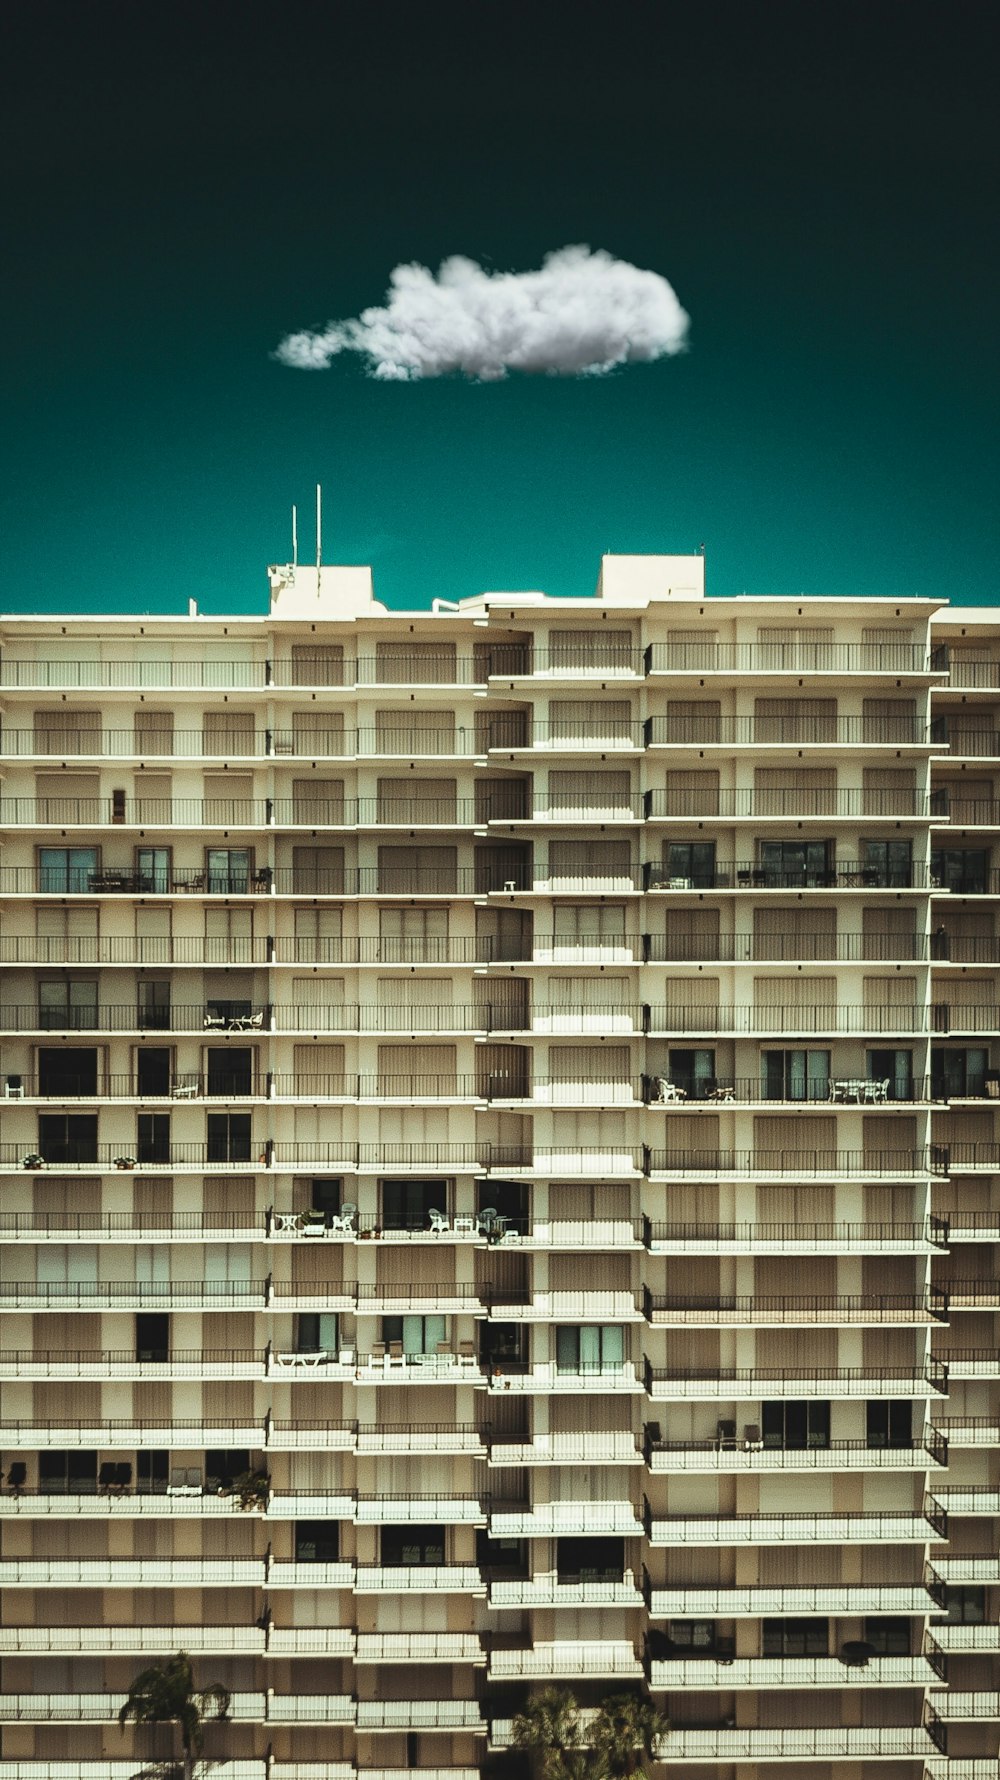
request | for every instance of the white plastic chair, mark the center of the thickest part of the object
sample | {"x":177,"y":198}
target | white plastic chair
{"x":439,"y":1223}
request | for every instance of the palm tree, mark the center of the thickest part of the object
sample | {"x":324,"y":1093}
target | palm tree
{"x":624,"y":1735}
{"x":166,"y":1694}
{"x":550,"y":1727}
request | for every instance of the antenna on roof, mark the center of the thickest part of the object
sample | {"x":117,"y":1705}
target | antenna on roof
{"x":319,"y":535}
{"x":295,"y":537}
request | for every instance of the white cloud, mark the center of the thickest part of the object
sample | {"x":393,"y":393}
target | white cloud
{"x":582,"y":314}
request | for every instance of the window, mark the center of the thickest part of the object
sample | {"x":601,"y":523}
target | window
{"x":223,"y":1465}
{"x":965,"y":870}
{"x":790,"y":865}
{"x":67,"y":933}
{"x":965,"y":1604}
{"x":316,"y":1333}
{"x":959,"y":1074}
{"x":153,"y":1137}
{"x":154,"y":1005}
{"x":691,"y":1637}
{"x":795,"y":1075}
{"x":595,"y":930}
{"x":152,"y":1336}
{"x":62,"y":1073}
{"x":590,"y":1347}
{"x":693,"y":860}
{"x":67,"y":1473}
{"x":66,"y":868}
{"x":67,"y":1004}
{"x":889,"y":1424}
{"x":153,"y":1071}
{"x":228,"y":1137}
{"x":888,"y":1637}
{"x":318,"y":871}
{"x":152,"y":868}
{"x":152,"y":1471}
{"x":229,"y":935}
{"x":794,"y":1637}
{"x":402,"y":1546}
{"x":317,"y":1541}
{"x":67,"y":1138}
{"x":229,"y":1070}
{"x":318,"y":936}
{"x":418,"y":1334}
{"x":795,"y":1426}
{"x":407,"y":1204}
{"x":590,"y":1560}
{"x":693,"y":1072}
{"x":894,"y":1067}
{"x":887,"y":864}
{"x":228,"y":870}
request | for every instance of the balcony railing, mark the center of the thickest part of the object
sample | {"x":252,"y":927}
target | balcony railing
{"x":846,"y":874}
{"x":786,"y":1021}
{"x":666,"y":1456}
{"x":794,"y":730}
{"x":729,"y":1383}
{"x":243,"y":812}
{"x":753,"y":1090}
{"x":962,"y":672}
{"x":509,"y":731}
{"x":120,"y":1363}
{"x":754,"y":804}
{"x":201,"y":1017}
{"x":437,"y":667}
{"x":899,"y":1163}
{"x":843,"y":1600}
{"x":790,"y":1238}
{"x":895,"y":1527}
{"x":179,"y":1294}
{"x":800,"y":1743}
{"x":818,"y":1308}
{"x":599,"y":660}
{"x":319,"y":741}
{"x":832,"y":947}
{"x":569,"y":1660}
{"x":728,"y":1672}
{"x":163,"y":1225}
{"x":904,"y":657}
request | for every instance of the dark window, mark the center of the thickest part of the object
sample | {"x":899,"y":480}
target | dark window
{"x":894,"y":1067}
{"x":590,"y":1560}
{"x":888,"y":1637}
{"x":794,"y":1637}
{"x":152,"y":1470}
{"x":152,"y":869}
{"x":153,"y":1137}
{"x":228,"y":870}
{"x":325,"y":1196}
{"x":223,"y":1465}
{"x":152,"y":1336}
{"x":154,"y":1006}
{"x":590,"y":1347}
{"x":887,"y":864}
{"x":67,"y":1004}
{"x":794,"y":864}
{"x":965,"y":870}
{"x":67,"y":1138}
{"x":152,"y":1071}
{"x":504,"y":1347}
{"x":416,"y":1334}
{"x":405,"y":1546}
{"x":407,"y":1204}
{"x":228,"y":1137}
{"x":503,"y":1559}
{"x":965,"y":1605}
{"x":957,"y":1074}
{"x":66,"y":869}
{"x":317,"y":1541}
{"x":794,"y":1425}
{"x":694,"y":860}
{"x":62,"y":1073}
{"x":691,"y":1637}
{"x":317,"y":1332}
{"x":889,"y":1423}
{"x":795,"y":1075}
{"x":694,"y":1072}
{"x":62,"y":1473}
{"x":230,"y":1070}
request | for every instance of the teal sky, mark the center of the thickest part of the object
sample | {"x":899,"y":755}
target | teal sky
{"x":187,"y":184}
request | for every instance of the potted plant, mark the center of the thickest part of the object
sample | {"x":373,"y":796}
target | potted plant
{"x":34,"y":1160}
{"x":252,"y":1489}
{"x":124,"y":1161}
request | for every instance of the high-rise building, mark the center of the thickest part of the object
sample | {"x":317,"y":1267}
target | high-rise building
{"x":500,"y":1177}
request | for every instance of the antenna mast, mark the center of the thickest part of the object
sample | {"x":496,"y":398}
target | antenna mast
{"x":295,"y":538}
{"x":319,"y":535}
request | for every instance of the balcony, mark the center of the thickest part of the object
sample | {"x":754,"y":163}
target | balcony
{"x":127,"y":1294}
{"x":596,"y":1448}
{"x":895,"y":1527}
{"x":211,"y":1017}
{"x":816,"y":1309}
{"x":787,"y":1022}
{"x":847,"y":1743}
{"x":380,"y":1367}
{"x":125,"y":1226}
{"x":930,"y":1237}
{"x":136,"y":1640}
{"x":427,"y":1715}
{"x":843,"y":1600}
{"x":967,"y":1640}
{"x":125,"y":1434}
{"x":750,"y":804}
{"x":567,"y":1661}
{"x":131,"y":1573}
{"x":394,"y":1648}
{"x":791,"y":1672}
{"x":419,"y":1579}
{"x":123,"y":1364}
{"x":584,"y":1307}
{"x":558,"y":809}
{"x":670,"y":1457}
{"x":323,"y":739}
{"x":833,"y":947}
{"x":415,"y":1438}
{"x":388,"y":1509}
{"x":846,"y":874}
{"x":555,"y":1520}
{"x":599,"y":660}
{"x":726,"y":1383}
{"x":802,"y":659}
{"x":796,"y":730}
{"x":553,"y":1591}
{"x":834,"y":1165}
{"x":547,"y":1380}
{"x":514,"y":732}
{"x":969,"y":1430}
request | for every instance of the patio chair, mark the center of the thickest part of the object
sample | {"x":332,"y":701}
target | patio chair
{"x":439,"y":1223}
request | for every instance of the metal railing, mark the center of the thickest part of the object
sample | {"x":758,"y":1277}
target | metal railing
{"x":904,"y":1236}
{"x":846,"y":874}
{"x":795,"y":1307}
{"x":798,"y":1381}
{"x":749,"y":803}
{"x":904,"y":657}
{"x":798,"y":729}
{"x":781,"y":948}
{"x":870,"y":1019}
{"x":720,"y":1090}
{"x":798,"y":1160}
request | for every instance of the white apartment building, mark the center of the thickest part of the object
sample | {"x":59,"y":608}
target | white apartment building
{"x":499,"y":1176}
